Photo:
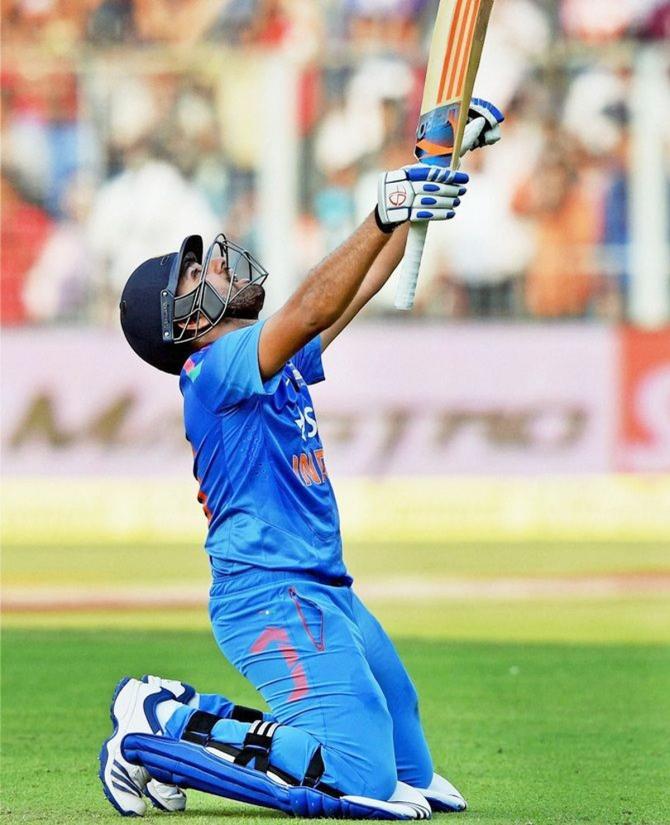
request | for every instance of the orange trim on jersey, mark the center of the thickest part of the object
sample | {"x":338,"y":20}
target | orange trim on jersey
{"x":202,"y":499}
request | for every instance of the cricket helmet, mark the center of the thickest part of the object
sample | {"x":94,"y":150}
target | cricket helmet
{"x":160,"y":326}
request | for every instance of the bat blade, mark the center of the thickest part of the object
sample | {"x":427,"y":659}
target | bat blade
{"x":455,"y":55}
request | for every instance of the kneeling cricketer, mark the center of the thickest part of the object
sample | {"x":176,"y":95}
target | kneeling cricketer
{"x":342,"y":737}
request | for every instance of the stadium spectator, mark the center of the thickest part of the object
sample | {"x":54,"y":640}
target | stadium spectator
{"x":597,"y":20}
{"x":266,"y":23}
{"x":44,"y":138}
{"x":112,"y":21}
{"x":653,"y":23}
{"x":519,"y":36}
{"x":57,"y":284}
{"x":479,"y":274}
{"x":334,"y":206}
{"x":25,"y":229}
{"x":53,"y":25}
{"x":393,"y":26}
{"x":615,"y":240}
{"x":561,"y":278}
{"x":360,"y":69}
{"x":149,"y":203}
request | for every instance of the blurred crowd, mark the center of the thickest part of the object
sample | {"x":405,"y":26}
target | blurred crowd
{"x":127,"y":124}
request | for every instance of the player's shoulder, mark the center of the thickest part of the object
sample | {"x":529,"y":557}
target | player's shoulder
{"x":230,"y":341}
{"x":231,"y":360}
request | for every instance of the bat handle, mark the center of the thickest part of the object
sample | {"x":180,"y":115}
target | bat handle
{"x":409,"y":273}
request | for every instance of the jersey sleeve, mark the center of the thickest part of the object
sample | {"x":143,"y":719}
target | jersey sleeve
{"x":229,"y":373}
{"x":308,"y":361}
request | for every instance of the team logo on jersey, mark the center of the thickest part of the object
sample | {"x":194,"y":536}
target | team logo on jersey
{"x":306,"y":422}
{"x":300,"y":381}
{"x":310,"y":467}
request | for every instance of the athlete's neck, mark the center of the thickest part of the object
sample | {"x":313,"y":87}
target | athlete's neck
{"x":224,"y":326}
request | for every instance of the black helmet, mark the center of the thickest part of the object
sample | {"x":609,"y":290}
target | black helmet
{"x":161,"y":327}
{"x":142,"y":308}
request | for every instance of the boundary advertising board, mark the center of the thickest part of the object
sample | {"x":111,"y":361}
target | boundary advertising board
{"x":399,"y":400}
{"x":643,"y":444}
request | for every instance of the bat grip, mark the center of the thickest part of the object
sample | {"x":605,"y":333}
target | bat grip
{"x":409,"y":272}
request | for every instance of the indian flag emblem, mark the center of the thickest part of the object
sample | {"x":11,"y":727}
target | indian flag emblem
{"x":192,"y":369}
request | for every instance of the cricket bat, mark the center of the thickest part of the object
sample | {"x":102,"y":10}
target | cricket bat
{"x":455,"y":53}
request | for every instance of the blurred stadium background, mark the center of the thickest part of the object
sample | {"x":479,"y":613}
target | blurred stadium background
{"x":535,"y":370}
{"x":502,"y":456}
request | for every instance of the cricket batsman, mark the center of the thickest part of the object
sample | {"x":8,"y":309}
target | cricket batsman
{"x":342,"y":737}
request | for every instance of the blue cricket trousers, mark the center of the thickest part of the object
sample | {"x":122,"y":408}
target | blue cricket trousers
{"x":330,"y":676}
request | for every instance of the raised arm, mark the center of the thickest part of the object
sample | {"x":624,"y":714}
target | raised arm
{"x":338,"y":288}
{"x":483,"y":130}
{"x":416,"y":193}
{"x":444,"y":203}
{"x":321,"y":299}
{"x":381,"y":270}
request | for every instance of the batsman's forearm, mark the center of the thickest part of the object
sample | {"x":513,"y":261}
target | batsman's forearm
{"x":381,"y":270}
{"x":331,"y":285}
{"x":385,"y":264}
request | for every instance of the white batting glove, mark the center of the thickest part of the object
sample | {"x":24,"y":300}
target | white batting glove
{"x":418,"y":193}
{"x":483,"y":126}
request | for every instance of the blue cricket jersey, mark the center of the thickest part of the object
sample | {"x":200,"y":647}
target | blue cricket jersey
{"x":259,"y":460}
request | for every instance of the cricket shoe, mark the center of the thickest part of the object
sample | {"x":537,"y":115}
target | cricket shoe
{"x":166,"y":797}
{"x":443,"y":797}
{"x":133,"y":710}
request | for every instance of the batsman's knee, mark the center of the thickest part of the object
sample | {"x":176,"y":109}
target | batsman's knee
{"x":359,"y":761}
{"x":381,"y":778}
{"x":369,"y":756}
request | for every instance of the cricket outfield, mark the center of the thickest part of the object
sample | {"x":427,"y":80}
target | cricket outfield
{"x":543,"y":667}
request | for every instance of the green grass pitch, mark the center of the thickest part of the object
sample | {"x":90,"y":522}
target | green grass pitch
{"x":532,"y":733}
{"x":544,"y":710}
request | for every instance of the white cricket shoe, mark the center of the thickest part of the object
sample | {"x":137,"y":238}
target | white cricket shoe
{"x":443,"y":796}
{"x":166,"y":797}
{"x":179,"y":690}
{"x":133,"y":711}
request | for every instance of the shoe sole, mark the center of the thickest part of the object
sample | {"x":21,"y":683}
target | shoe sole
{"x":104,"y":753}
{"x":156,"y":802}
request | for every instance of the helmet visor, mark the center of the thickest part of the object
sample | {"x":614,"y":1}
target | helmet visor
{"x":191,"y":315}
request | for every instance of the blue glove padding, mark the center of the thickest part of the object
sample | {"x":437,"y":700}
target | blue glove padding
{"x":418,"y":193}
{"x":435,"y":147}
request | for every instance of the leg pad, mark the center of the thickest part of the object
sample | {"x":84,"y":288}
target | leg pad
{"x":192,"y":766}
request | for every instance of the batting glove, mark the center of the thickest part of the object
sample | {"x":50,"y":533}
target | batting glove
{"x":483,"y":127}
{"x":418,"y":193}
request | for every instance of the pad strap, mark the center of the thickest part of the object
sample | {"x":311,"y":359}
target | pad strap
{"x":257,"y":744}
{"x":199,"y":728}
{"x":313,"y":775}
{"x":242,"y":714}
